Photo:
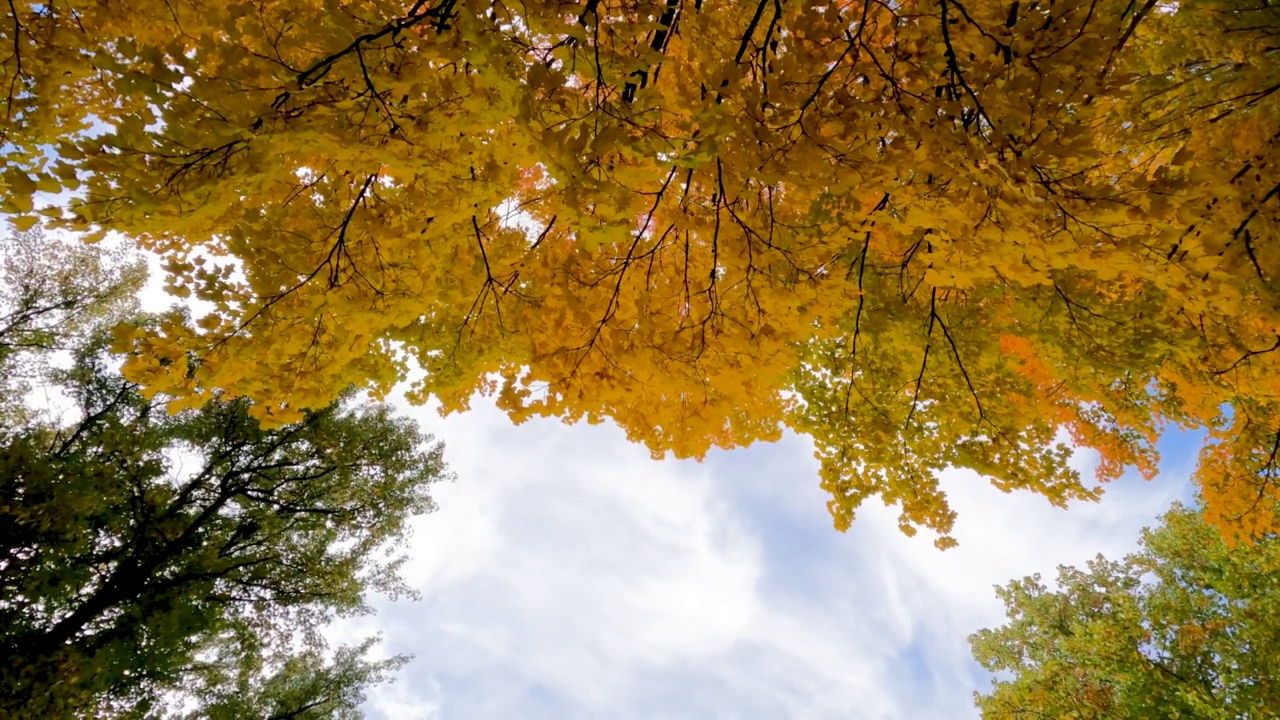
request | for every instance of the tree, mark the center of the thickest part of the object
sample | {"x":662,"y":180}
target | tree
{"x":305,"y":686}
{"x":1186,"y":627}
{"x":52,"y":293}
{"x":147,"y":556}
{"x":926,"y":233}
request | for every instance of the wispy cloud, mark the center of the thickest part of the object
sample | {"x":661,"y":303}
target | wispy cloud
{"x":569,"y":575}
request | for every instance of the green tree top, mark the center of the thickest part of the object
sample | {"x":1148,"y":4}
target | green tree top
{"x":147,"y":556}
{"x":1187,"y":627}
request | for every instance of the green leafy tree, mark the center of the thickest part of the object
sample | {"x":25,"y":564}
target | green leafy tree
{"x":147,"y":556}
{"x":52,"y":292}
{"x":1187,"y":627}
{"x":303,"y":686}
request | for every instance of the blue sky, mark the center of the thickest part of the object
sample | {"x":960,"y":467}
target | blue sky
{"x":568,"y":575}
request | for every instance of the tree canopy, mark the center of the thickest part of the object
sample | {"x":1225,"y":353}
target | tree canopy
{"x":925,"y":233}
{"x":1186,"y":627}
{"x":183,"y":565}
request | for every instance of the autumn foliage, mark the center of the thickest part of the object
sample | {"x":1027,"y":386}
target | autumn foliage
{"x":925,"y":233}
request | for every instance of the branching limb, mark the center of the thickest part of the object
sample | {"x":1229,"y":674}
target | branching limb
{"x":924,"y":361}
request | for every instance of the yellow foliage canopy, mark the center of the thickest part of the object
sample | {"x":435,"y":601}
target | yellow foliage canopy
{"x":926,"y":233}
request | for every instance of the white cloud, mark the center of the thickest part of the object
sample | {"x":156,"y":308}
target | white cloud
{"x":402,"y":702}
{"x":568,"y":575}
{"x":567,"y":560}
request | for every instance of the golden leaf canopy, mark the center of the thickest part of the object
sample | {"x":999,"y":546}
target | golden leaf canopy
{"x":926,"y":233}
